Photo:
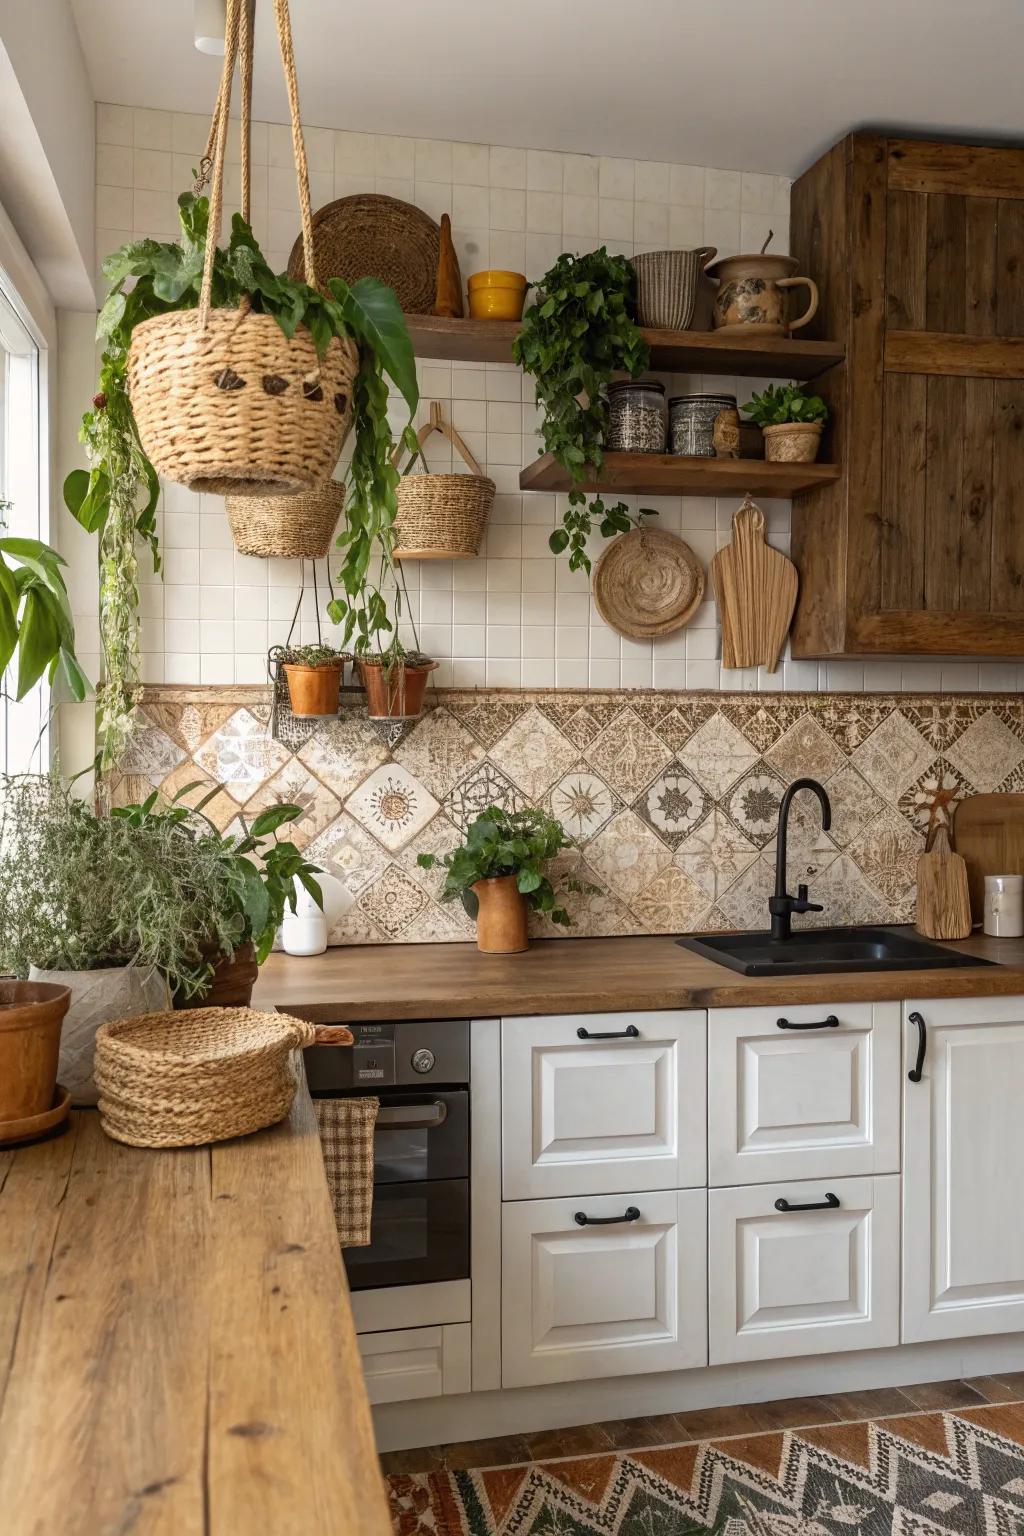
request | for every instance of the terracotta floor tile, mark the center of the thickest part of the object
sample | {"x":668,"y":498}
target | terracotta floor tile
{"x":1012,"y":1379}
{"x":635,"y":1434}
{"x":875,"y":1403}
{"x":993,"y":1390}
{"x":716,"y":1423}
{"x":943,"y":1394}
{"x":498,"y":1452}
{"x":790,"y":1412}
{"x":425,"y":1458}
{"x":578,"y":1440}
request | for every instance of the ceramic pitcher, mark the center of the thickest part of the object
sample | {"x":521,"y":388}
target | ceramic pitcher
{"x":753,"y":291}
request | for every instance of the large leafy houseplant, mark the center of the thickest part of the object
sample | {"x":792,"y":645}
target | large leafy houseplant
{"x":576,"y":335}
{"x":118,"y":496}
{"x":35,"y":615}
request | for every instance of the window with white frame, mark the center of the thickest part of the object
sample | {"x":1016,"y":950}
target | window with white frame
{"x":24,"y":724}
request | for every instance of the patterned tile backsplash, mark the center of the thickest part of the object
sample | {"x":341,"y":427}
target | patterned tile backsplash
{"x":673,"y":796}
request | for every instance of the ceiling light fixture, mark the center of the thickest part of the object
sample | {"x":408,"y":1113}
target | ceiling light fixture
{"x":210,"y":24}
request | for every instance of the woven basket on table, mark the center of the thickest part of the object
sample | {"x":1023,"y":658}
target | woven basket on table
{"x":182,"y":1079}
{"x":288,"y":527}
{"x":442,"y":517}
{"x":223,"y":400}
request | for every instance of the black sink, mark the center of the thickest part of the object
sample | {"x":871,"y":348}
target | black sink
{"x":812,"y":951}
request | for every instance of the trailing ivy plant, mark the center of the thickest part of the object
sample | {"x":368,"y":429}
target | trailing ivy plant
{"x":117,"y":497}
{"x":35,"y":615}
{"x":576,"y":335}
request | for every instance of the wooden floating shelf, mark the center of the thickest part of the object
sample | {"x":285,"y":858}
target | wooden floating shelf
{"x":490,"y":341}
{"x":668,"y":474}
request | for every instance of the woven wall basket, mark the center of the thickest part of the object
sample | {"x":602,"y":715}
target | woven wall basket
{"x":289,"y":527}
{"x":370,"y":235}
{"x":442,"y":517}
{"x":648,"y":583}
{"x":182,"y":1079}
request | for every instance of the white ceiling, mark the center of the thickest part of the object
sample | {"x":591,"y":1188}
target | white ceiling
{"x":755,"y":84}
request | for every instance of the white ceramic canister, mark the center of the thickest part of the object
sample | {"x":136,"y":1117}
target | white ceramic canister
{"x":1004,"y":906}
{"x":304,"y":931}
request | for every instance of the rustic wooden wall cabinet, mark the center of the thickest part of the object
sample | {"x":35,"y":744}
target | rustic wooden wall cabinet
{"x":918,"y":547}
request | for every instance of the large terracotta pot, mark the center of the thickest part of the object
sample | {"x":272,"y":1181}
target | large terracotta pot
{"x":313,"y":691}
{"x":394,"y":693}
{"x":501,"y":916}
{"x":234,"y":977}
{"x":753,"y":295}
{"x":31,"y":1015}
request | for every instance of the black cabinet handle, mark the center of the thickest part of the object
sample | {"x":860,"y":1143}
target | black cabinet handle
{"x":830,"y":1023}
{"x":922,"y":1045}
{"x":583,"y":1220}
{"x":629,"y":1033}
{"x":830,"y":1203}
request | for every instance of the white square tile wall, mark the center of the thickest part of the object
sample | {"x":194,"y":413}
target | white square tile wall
{"x":518,"y":615}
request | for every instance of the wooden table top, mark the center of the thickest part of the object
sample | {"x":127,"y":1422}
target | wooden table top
{"x":177,"y":1354}
{"x":423,"y":981}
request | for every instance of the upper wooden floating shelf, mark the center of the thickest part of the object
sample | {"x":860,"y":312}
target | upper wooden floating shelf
{"x":490,"y":341}
{"x":668,"y":474}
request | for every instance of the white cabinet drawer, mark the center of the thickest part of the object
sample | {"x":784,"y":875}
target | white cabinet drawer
{"x":803,"y":1281}
{"x":407,"y":1363}
{"x":612,"y":1299}
{"x":794,"y":1095}
{"x":584,"y":1115}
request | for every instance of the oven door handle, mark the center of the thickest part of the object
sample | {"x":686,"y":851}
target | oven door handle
{"x":398,"y":1117}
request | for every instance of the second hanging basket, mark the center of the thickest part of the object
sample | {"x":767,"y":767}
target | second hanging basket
{"x":442,"y":517}
{"x":299,"y":527}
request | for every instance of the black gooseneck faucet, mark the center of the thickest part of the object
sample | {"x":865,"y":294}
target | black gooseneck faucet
{"x":782,"y":905}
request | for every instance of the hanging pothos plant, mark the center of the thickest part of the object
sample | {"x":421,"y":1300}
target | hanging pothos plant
{"x":117,"y":497}
{"x":576,"y":336}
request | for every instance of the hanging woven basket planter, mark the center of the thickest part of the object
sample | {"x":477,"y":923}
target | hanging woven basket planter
{"x":299,"y":527}
{"x":223,"y":400}
{"x":442,"y":517}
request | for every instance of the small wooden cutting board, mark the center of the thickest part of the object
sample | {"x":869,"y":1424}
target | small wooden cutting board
{"x":989,"y":834}
{"x":755,"y":588}
{"x":943,"y":902}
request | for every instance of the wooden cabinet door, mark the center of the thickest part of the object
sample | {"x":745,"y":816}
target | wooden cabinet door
{"x":598,"y":1102}
{"x":408,"y":1363}
{"x":963,"y":1163}
{"x":611,"y":1297}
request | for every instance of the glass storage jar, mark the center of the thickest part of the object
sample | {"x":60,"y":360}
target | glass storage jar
{"x":638,"y":421}
{"x":692,"y":423}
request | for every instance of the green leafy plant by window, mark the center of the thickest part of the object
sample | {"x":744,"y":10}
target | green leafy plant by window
{"x":784,"y":403}
{"x":500,"y":842}
{"x":576,"y":336}
{"x":35,"y":615}
{"x":117,"y":497}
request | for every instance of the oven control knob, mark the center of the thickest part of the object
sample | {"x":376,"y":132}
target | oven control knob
{"x":423,"y":1060}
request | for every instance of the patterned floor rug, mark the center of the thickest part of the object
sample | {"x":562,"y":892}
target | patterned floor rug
{"x":923,"y":1474}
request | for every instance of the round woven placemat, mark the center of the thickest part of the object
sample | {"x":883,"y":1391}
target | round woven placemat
{"x":369,"y":235}
{"x":648,"y":583}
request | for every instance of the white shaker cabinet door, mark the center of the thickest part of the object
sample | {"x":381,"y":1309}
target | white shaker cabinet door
{"x":803,"y":1269}
{"x":803,"y":1092}
{"x":600,"y":1102}
{"x":603,"y":1286}
{"x":963,"y":1182}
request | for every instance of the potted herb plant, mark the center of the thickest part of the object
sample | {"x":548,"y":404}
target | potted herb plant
{"x":395,"y":680}
{"x":499,"y":874}
{"x":314,"y":674}
{"x":791,"y":423}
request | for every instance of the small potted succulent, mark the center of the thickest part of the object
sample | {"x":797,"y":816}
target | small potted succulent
{"x":791,"y":423}
{"x":314,"y":678}
{"x":498,"y":874}
{"x":395,"y":680}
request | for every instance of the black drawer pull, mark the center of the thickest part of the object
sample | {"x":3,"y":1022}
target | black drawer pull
{"x":583,"y":1220}
{"x":830,"y":1023}
{"x":830,"y":1203}
{"x":629,"y":1033}
{"x":922,"y":1045}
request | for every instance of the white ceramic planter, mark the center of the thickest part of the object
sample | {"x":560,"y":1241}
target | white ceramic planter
{"x":110,"y":992}
{"x":304,"y":931}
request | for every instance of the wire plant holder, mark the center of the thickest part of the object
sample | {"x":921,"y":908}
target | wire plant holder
{"x":293,"y":731}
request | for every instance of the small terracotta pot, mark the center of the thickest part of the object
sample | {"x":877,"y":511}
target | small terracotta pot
{"x":395,"y":693}
{"x":314,"y":691}
{"x":792,"y":442}
{"x":501,"y":918}
{"x":231,"y":984}
{"x":31,"y":1015}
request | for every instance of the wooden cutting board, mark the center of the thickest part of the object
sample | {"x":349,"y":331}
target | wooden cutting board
{"x":943,"y":904}
{"x":755,"y":588}
{"x":988,"y":833}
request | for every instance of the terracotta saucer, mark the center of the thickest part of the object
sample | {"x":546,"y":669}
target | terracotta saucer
{"x":27,"y":1129}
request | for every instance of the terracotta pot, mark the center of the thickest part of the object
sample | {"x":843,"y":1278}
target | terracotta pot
{"x":753,"y":294}
{"x":395,"y":694}
{"x":313,"y":691}
{"x":792,"y":442}
{"x":31,"y":1015}
{"x":234,"y":977}
{"x":501,"y":917}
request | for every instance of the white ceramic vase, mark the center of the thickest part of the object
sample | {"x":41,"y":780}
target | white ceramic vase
{"x":304,"y":931}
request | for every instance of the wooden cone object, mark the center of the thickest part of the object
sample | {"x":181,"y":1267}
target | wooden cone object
{"x":755,"y":588}
{"x":448,"y":298}
{"x":943,"y":899}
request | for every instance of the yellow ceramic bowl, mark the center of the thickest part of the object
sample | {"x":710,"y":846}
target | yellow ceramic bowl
{"x":496,"y":295}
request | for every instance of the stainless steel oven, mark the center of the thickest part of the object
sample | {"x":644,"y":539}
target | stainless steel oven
{"x":420,"y":1072}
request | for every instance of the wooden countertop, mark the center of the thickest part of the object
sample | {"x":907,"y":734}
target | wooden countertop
{"x":422,"y":981}
{"x":177,"y":1354}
